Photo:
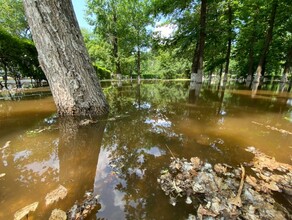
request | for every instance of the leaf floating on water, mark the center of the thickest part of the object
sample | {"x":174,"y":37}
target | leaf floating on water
{"x":86,"y":122}
{"x":205,"y":212}
{"x":82,"y":210}
{"x":58,"y":214}
{"x":2,"y":175}
{"x":55,"y":195}
{"x":220,"y":169}
{"x":6,"y":145}
{"x":229,"y":195}
{"x":24,"y":211}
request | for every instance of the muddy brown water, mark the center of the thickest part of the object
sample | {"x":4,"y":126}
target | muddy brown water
{"x":120,"y":157}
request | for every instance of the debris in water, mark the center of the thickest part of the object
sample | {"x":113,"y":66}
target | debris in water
{"x":87,"y":122}
{"x":58,"y":214}
{"x":5,"y":145}
{"x":2,"y":175}
{"x":265,"y":169}
{"x":25,"y":211}
{"x":272,"y":128}
{"x":55,"y":195}
{"x":82,"y":210}
{"x":223,"y":192}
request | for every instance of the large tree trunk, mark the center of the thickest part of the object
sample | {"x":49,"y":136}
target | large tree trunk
{"x":195,"y":62}
{"x":268,"y":41}
{"x":64,"y":58}
{"x":198,"y":69}
{"x":227,"y":58}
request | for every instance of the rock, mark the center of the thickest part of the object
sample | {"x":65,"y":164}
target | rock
{"x":58,"y":214}
{"x":25,"y":211}
{"x":55,"y":195}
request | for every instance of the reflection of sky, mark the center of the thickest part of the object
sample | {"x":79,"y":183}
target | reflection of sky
{"x":41,"y":167}
{"x":144,"y":105}
{"x":105,"y":184}
{"x":155,"y":151}
{"x":22,"y":155}
{"x":160,"y":125}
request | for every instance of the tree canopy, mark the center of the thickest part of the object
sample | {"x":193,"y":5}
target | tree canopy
{"x":237,"y":38}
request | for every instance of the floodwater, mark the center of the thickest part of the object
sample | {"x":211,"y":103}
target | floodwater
{"x":120,"y":157}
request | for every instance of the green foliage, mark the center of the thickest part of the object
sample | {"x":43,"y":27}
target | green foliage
{"x":102,"y":72}
{"x":18,"y":56}
{"x":12,"y":18}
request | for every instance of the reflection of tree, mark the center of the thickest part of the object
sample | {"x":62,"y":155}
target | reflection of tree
{"x":78,"y":154}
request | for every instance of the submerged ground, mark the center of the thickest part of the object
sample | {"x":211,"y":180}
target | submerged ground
{"x":120,"y":157}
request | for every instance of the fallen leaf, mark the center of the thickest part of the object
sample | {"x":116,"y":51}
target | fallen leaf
{"x":219,"y":168}
{"x":58,"y":214}
{"x":205,"y":212}
{"x":55,"y":195}
{"x":5,"y":145}
{"x":24,"y":211}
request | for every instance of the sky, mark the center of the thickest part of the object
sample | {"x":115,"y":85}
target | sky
{"x":79,"y":8}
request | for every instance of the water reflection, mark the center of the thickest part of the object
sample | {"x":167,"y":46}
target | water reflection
{"x":120,"y":158}
{"x":78,"y":154}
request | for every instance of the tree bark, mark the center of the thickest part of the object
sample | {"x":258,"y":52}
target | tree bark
{"x":287,"y":66}
{"x":198,"y":69}
{"x":195,"y":59}
{"x":139,"y":64}
{"x":227,"y":59}
{"x":64,"y":58}
{"x":268,"y":41}
{"x":116,"y":47}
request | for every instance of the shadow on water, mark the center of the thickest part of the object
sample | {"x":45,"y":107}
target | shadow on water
{"x":63,"y":153}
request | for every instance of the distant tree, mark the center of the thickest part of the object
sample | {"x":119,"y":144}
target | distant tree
{"x":268,"y":40}
{"x":64,"y":58}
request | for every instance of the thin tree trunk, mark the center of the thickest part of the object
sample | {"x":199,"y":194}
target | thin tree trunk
{"x":116,"y":48}
{"x":202,"y":35}
{"x":268,"y":41}
{"x":5,"y":76}
{"x":139,"y":64}
{"x":227,"y":59}
{"x":64,"y":58}
{"x":287,"y":66}
{"x":251,"y":58}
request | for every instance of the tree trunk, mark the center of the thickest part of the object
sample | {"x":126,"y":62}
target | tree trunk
{"x":287,"y":66}
{"x":198,"y":71}
{"x":139,"y":65}
{"x":227,"y":59}
{"x":251,"y":59}
{"x":268,"y":41}
{"x":116,"y":48}
{"x":64,"y":58}
{"x":5,"y":77}
{"x":195,"y":62}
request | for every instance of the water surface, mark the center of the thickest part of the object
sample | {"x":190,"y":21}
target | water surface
{"x":120,"y":157}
